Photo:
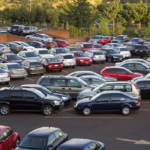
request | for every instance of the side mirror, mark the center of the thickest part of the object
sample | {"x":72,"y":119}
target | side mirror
{"x":49,"y":146}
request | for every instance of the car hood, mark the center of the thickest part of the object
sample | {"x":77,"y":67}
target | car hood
{"x":32,"y":58}
{"x":132,"y":42}
{"x":91,"y":86}
{"x":139,"y":74}
{"x":52,"y":97}
{"x":109,"y":79}
{"x":117,"y":64}
{"x":19,"y":148}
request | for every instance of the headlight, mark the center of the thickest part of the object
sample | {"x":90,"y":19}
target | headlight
{"x":56,"y":103}
{"x":64,"y":98}
{"x":81,"y":60}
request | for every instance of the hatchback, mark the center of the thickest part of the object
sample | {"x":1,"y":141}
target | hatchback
{"x":36,"y":44}
{"x":9,"y":139}
{"x":120,"y":73}
{"x":108,"y":101}
{"x":44,"y":138}
{"x":105,"y":39}
{"x":33,"y":67}
{"x":136,"y":41}
{"x":61,"y":43}
{"x":96,"y":56}
{"x":82,"y":144}
{"x":124,"y":51}
{"x":17,"y":29}
{"x":4,"y":77}
{"x":4,"y":49}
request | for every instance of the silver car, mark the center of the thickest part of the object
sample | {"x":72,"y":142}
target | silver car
{"x":15,"y":70}
{"x":55,"y":51}
{"x":67,"y":59}
{"x":28,"y":55}
{"x":127,"y":87}
{"x":147,"y":41}
{"x":30,"y":30}
{"x":124,"y":51}
{"x":96,"y":56}
{"x":4,"y":49}
{"x":4,"y":77}
{"x":95,"y":39}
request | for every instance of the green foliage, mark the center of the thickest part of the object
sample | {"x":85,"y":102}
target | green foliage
{"x":147,"y":31}
{"x":104,"y":29}
{"x":101,"y":7}
{"x":133,"y":32}
{"x":119,"y":28}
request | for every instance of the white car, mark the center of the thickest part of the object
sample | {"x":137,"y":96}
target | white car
{"x":124,"y":51}
{"x":95,"y":39}
{"x":40,"y":37}
{"x":4,"y":77}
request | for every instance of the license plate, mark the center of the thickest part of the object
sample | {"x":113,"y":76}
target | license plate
{"x":56,"y":65}
{"x":37,"y":68}
{"x":120,"y":58}
{"x":99,"y":56}
{"x":2,"y":79}
{"x":87,"y":63}
{"x":141,"y":50}
{"x":14,"y":30}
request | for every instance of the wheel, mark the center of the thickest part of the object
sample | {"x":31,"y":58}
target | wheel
{"x":77,"y":63}
{"x":125,"y":110}
{"x":103,"y":62}
{"x":73,"y":66}
{"x":28,"y":74}
{"x":6,"y":83}
{"x":48,"y":110}
{"x":109,"y":60}
{"x":17,"y":142}
{"x":42,"y":74}
{"x":86,"y":111}
{"x":4,"y":110}
{"x":60,"y":70}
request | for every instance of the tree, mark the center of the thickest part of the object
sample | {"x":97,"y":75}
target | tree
{"x":147,"y":31}
{"x":79,"y":13}
{"x":112,"y":10}
{"x":103,"y":26}
{"x":119,"y":28}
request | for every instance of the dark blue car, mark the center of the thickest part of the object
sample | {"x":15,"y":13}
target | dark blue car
{"x":112,"y":101}
{"x":136,"y":41}
{"x":36,"y":44}
{"x":82,"y":144}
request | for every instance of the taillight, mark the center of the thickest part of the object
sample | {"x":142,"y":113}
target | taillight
{"x":30,"y":69}
{"x":135,"y":50}
{"x":42,"y":68}
{"x":50,"y":65}
{"x":146,"y":50}
{"x":61,"y":64}
{"x":11,"y":72}
{"x":41,"y":45}
{"x":18,"y":30}
{"x":104,"y":56}
{"x":136,"y":86}
{"x":17,"y":47}
{"x":8,"y":75}
{"x":137,"y":102}
{"x":3,"y":49}
{"x":94,"y":56}
{"x":10,"y":29}
{"x":30,"y":30}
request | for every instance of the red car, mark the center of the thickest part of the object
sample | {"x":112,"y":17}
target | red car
{"x":9,"y":139}
{"x":61,"y":43}
{"x":51,"y":63}
{"x":82,"y":59}
{"x":120,"y":73}
{"x":105,"y":39}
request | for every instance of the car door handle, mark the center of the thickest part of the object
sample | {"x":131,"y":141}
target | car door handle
{"x":63,"y":88}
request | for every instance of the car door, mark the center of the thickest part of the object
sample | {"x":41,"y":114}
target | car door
{"x":141,"y":68}
{"x":111,"y":73}
{"x":96,"y":81}
{"x":122,"y":75}
{"x":130,"y":66}
{"x":107,"y":87}
{"x":101,"y":103}
{"x":51,"y":142}
{"x":146,"y":91}
{"x":141,"y":85}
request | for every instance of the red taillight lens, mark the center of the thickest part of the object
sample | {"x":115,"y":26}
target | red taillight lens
{"x":137,"y":102}
{"x":10,"y":29}
{"x":61,"y":64}
{"x":30,"y":69}
{"x":8,"y":75}
{"x":104,"y":56}
{"x":3,"y":49}
{"x":94,"y":56}
{"x":30,"y":30}
{"x":146,"y":50}
{"x":41,"y":45}
{"x":18,"y":30}
{"x":136,"y":86}
{"x":17,"y":47}
{"x":42,"y":68}
{"x":50,"y":65}
{"x":135,"y":50}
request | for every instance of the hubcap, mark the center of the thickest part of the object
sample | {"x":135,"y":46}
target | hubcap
{"x":4,"y":110}
{"x":47,"y":111}
{"x":17,"y":142}
{"x":126,"y":111}
{"x":86,"y":111}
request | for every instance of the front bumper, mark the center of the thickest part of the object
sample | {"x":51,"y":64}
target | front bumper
{"x":118,"y":59}
{"x":18,"y":75}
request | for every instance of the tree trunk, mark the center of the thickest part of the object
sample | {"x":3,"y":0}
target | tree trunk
{"x":78,"y":32}
{"x":113,"y":26}
{"x":140,"y":25}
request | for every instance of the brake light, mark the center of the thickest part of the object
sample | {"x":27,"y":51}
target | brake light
{"x":64,"y":60}
{"x":146,"y":50}
{"x":50,"y":65}
{"x":11,"y":72}
{"x":61,"y":64}
{"x":94,"y":56}
{"x":104,"y":56}
{"x":18,"y":30}
{"x":135,"y":50}
{"x":42,"y":68}
{"x":41,"y":45}
{"x":3,"y":49}
{"x":30,"y":30}
{"x":17,"y":47}
{"x":137,"y":102}
{"x":30,"y":69}
{"x":8,"y":75}
{"x":10,"y":29}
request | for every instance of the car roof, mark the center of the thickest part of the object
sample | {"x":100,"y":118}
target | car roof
{"x":11,"y":63}
{"x":114,"y":67}
{"x":46,"y":57}
{"x":90,"y":76}
{"x":58,"y":76}
{"x":26,"y":51}
{"x":85,"y":71}
{"x":77,"y":52}
{"x":31,"y":85}
{"x":142,"y":80}
{"x":32,"y":61}
{"x":120,"y":82}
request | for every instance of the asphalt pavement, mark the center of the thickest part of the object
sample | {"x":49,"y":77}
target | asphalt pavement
{"x":116,"y":131}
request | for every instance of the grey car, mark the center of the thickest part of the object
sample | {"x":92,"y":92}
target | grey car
{"x":127,"y":87}
{"x":15,"y":70}
{"x":120,"y":38}
{"x":28,"y":55}
{"x":83,"y":73}
{"x":96,"y":56}
{"x":4,"y":49}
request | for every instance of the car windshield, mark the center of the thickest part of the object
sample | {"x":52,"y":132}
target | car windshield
{"x":129,"y":70}
{"x":124,"y":49}
{"x":118,"y":38}
{"x":94,"y":97}
{"x":45,"y":36}
{"x":14,"y":66}
{"x":82,"y":82}
{"x":39,"y":93}
{"x":35,"y":64}
{"x":62,"y":50}
{"x":147,"y":40}
{"x":74,"y":49}
{"x":14,"y":27}
{"x":31,"y":54}
{"x":44,"y":52}
{"x":80,"y":55}
{"x":25,"y":44}
{"x":88,"y":46}
{"x":13,"y":57}
{"x":2,"y":71}
{"x":47,"y":90}
{"x":134,"y":40}
{"x":112,"y":52}
{"x":52,"y":60}
{"x":98,"y":87}
{"x":96,"y":37}
{"x":99,"y":46}
{"x":141,"y":47}
{"x":26,"y":28}
{"x":98,"y":53}
{"x":34,"y":142}
{"x":117,"y":45}
{"x":105,"y":38}
{"x":68,"y":57}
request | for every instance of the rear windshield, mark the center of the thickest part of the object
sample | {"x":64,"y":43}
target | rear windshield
{"x":1,"y":45}
{"x":134,"y":40}
{"x":54,"y":43}
{"x":52,"y":60}
{"x":74,"y":49}
{"x":88,"y":46}
{"x":14,"y":66}
{"x":35,"y":64}
{"x":31,"y":54}
{"x":147,"y":40}
{"x":44,"y":52}
{"x":66,"y":42}
{"x":27,"y":28}
{"x":2,"y":71}
{"x":98,"y":53}
{"x":61,"y":51}
{"x":80,"y":55}
{"x":99,"y":46}
{"x":13,"y":57}
{"x":15,"y":27}
{"x":124,"y":49}
{"x":68,"y":57}
{"x":141,"y":47}
{"x":106,"y":38}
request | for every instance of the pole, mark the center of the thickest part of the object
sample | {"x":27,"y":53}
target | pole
{"x":113,"y":26}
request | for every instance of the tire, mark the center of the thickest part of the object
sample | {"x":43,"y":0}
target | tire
{"x":7,"y":83}
{"x":48,"y":110}
{"x":109,"y":60}
{"x":86,"y":111}
{"x":60,"y":70}
{"x":17,"y":142}
{"x":125,"y":110}
{"x":42,"y":74}
{"x":73,"y":66}
{"x":103,"y":62}
{"x":4,"y":110}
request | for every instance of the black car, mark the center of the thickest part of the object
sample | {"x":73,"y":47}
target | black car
{"x":137,"y":67}
{"x":33,"y":67}
{"x":144,"y":87}
{"x":17,"y":29}
{"x":82,"y":144}
{"x":36,"y":44}
{"x":24,"y":99}
{"x":65,"y":97}
{"x":44,"y":138}
{"x":120,"y":38}
{"x":112,"y":55}
{"x":138,"y":50}
{"x":14,"y":47}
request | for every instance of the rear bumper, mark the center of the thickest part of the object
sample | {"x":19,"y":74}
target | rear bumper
{"x":2,"y":80}
{"x":99,"y":59}
{"x":37,"y":71}
{"x":84,"y":62}
{"x":18,"y":75}
{"x":69,"y":64}
{"x":54,"y":68}
{"x":117,"y":59}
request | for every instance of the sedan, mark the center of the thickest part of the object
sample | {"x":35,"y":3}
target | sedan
{"x":44,"y":138}
{"x":108,"y":101}
{"x":95,"y":39}
{"x":124,"y":51}
{"x":136,"y":41}
{"x":55,"y":51}
{"x":9,"y":139}
{"x":4,"y":49}
{"x":15,"y":70}
{"x":105,"y":39}
{"x":4,"y":77}
{"x":36,"y":44}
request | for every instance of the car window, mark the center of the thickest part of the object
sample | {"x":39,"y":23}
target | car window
{"x":128,"y":88}
{"x":59,"y":82}
{"x":16,"y":95}
{"x":92,"y":146}
{"x":73,"y":83}
{"x":147,"y":84}
{"x":58,"y":134}
{"x":79,"y":75}
{"x":86,"y":148}
{"x":129,"y":66}
{"x":121,"y":71}
{"x":107,"y":88}
{"x":119,"y":87}
{"x":87,"y":80}
{"x":9,"y":132}
{"x":141,"y":84}
{"x":139,"y":66}
{"x":117,"y":97}
{"x":103,"y":98}
{"x":29,"y":95}
{"x":111,"y":70}
{"x":3,"y":135}
{"x":45,"y":82}
{"x":96,"y":81}
{"x":51,"y":139}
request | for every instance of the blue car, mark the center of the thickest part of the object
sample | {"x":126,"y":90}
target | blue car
{"x":136,"y":41}
{"x":108,"y":101}
{"x":36,"y":44}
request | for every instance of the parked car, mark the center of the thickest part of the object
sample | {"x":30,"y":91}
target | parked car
{"x":17,"y":29}
{"x":61,"y":43}
{"x":127,"y":87}
{"x":82,"y":58}
{"x":39,"y":37}
{"x":4,"y":49}
{"x":72,"y":49}
{"x":65,"y":97}
{"x":105,"y":39}
{"x":95,"y":39}
{"x":112,"y":55}
{"x":136,"y":41}
{"x":55,"y":51}
{"x":147,"y":41}
{"x":43,"y":52}
{"x":66,"y":84}
{"x":120,"y":39}
{"x":44,"y":138}
{"x":112,"y":45}
{"x":120,"y":73}
{"x":96,"y":56}
{"x":108,"y":101}
{"x":15,"y":48}
{"x":36,"y":44}
{"x":67,"y":59}
{"x":28,"y":55}
{"x":10,"y":57}
{"x":33,"y":67}
{"x":49,"y":45}
{"x":124,"y":51}
{"x":51,"y":63}
{"x":30,"y":30}
{"x":98,"y":46}
{"x":9,"y":139}
{"x":15,"y":99}
{"x":4,"y":77}
{"x":15,"y":70}
{"x":4,"y":32}
{"x":7,"y":29}
{"x":137,"y":67}
{"x":83,"y":144}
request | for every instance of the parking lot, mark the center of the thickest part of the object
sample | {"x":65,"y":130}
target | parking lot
{"x":118,"y":132}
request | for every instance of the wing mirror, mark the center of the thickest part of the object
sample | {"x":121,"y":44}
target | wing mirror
{"x":49,"y":146}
